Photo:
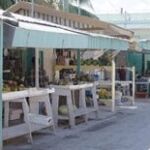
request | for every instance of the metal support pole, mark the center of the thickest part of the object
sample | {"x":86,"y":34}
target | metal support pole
{"x":1,"y":80}
{"x":78,"y":51}
{"x":113,"y":84}
{"x":37,"y":68}
{"x":133,"y":85}
{"x":78,"y":63}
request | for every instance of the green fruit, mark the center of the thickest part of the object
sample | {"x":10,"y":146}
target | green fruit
{"x":63,"y":110}
{"x":82,"y":62}
{"x":95,"y":62}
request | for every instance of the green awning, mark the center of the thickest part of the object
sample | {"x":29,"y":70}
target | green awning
{"x":21,"y":31}
{"x":40,"y":36}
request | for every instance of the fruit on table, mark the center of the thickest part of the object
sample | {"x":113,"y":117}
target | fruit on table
{"x":63,"y":110}
{"x":12,"y":86}
{"x":104,"y":94}
{"x":6,"y":88}
{"x":88,"y":61}
{"x":21,"y":87}
{"x":95,"y":62}
{"x":82,"y":62}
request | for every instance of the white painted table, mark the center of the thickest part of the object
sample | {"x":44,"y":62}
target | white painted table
{"x":68,"y":92}
{"x":124,"y":84}
{"x":37,"y":120}
{"x":126,"y":90}
{"x":20,"y":129}
{"x":32,"y":120}
{"x":144,"y":86}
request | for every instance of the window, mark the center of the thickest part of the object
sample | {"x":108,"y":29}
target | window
{"x":56,"y":20}
{"x":34,"y":14}
{"x":73,"y":24}
{"x":47,"y":17}
{"x":69,"y":23}
{"x":82,"y":26}
{"x":78,"y":25}
{"x":52,"y":19}
{"x":43,"y":16}
{"x":62,"y":21}
{"x":59,"y":20}
{"x":27,"y":13}
{"x":38,"y":15}
{"x":90,"y":26}
{"x":85,"y":25}
{"x":65,"y":23}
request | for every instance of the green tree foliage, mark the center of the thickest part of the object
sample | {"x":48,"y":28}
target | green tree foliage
{"x":52,"y":3}
{"x":4,"y":4}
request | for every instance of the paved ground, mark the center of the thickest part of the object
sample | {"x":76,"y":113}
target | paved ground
{"x":125,"y":130}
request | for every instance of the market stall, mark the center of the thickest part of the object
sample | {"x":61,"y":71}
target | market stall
{"x":19,"y":31}
{"x":142,"y":84}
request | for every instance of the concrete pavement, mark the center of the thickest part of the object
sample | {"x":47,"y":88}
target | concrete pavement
{"x":125,"y":130}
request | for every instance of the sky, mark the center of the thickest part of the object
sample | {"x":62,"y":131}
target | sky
{"x":114,"y":6}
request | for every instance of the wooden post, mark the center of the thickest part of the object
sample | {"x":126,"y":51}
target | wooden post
{"x":113,"y":84}
{"x":37,"y":68}
{"x":133,"y":85}
{"x":1,"y":80}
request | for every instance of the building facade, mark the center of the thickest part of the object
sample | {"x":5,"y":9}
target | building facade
{"x":71,"y":20}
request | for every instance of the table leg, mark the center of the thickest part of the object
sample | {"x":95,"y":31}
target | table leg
{"x":55,"y":100}
{"x":49,"y":111}
{"x":6,"y":114}
{"x":95,"y":101}
{"x":70,"y":109}
{"x":83,"y":103}
{"x":26,"y":118}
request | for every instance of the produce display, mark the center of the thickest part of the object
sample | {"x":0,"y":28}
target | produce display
{"x":63,"y":110}
{"x":104,"y":94}
{"x":104,"y":60}
{"x":12,"y":86}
